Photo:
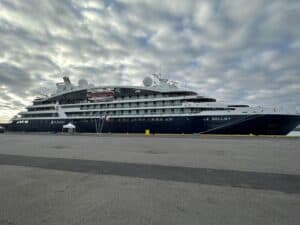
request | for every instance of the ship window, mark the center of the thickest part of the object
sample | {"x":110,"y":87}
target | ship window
{"x":187,"y":110}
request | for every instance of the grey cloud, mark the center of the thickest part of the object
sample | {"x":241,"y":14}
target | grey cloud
{"x":235,"y":50}
{"x":14,"y":77}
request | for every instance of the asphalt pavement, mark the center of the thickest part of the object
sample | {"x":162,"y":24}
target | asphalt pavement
{"x":89,"y":179}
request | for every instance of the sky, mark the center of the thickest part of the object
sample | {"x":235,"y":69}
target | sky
{"x":237,"y":51}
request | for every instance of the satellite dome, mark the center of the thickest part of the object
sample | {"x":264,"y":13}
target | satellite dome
{"x":83,"y":83}
{"x":148,"y":81}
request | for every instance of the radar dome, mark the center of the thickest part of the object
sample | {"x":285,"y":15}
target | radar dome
{"x":148,"y":81}
{"x":83,"y":83}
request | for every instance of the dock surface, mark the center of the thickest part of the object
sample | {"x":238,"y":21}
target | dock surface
{"x":132,"y":179}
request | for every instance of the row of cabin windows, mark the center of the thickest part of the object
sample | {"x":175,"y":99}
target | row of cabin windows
{"x":128,"y":119}
{"x":148,"y":96}
{"x":41,"y":109}
{"x":161,"y":95}
{"x":135,"y":112}
{"x":140,"y":97}
{"x":132,"y":105}
{"x":143,"y":112}
{"x":141,"y":119}
{"x":135,"y":98}
{"x":40,"y":115}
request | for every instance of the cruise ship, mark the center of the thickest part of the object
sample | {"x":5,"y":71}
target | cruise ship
{"x":158,"y":106}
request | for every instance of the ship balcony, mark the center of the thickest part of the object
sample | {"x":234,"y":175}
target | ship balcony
{"x":119,"y":102}
{"x":96,"y":114}
{"x":149,"y":99}
{"x":86,"y":110}
{"x":41,"y":106}
{"x":37,"y":112}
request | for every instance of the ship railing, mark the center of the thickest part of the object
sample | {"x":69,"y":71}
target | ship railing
{"x":38,"y":112}
{"x":95,"y":115}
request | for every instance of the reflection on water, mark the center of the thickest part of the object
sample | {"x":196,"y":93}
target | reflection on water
{"x":294,"y":133}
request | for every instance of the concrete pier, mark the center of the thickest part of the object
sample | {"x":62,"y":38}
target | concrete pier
{"x":132,"y":179}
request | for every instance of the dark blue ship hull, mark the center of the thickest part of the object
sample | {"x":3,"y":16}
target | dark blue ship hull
{"x":223,"y":124}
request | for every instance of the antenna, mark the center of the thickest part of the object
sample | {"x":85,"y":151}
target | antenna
{"x":43,"y":92}
{"x":160,"y":71}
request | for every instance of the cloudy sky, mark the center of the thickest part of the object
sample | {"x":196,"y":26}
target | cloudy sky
{"x":238,"y":51}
